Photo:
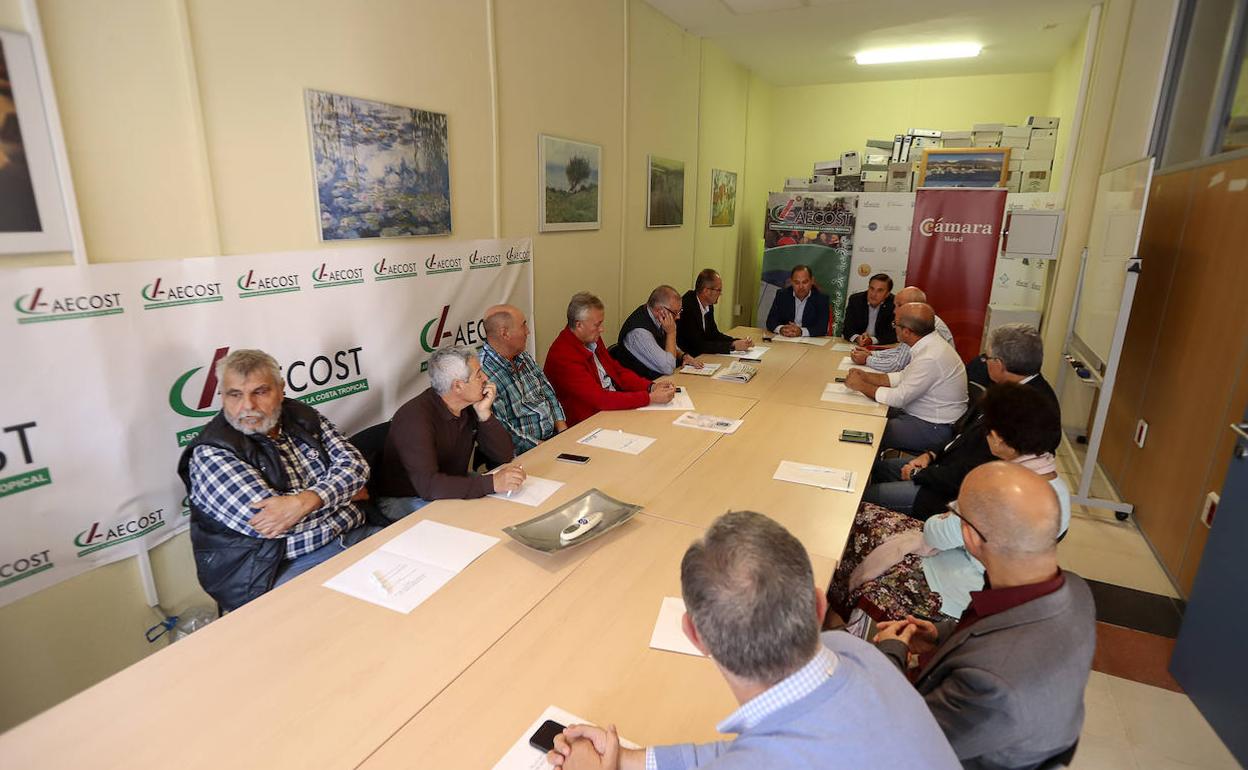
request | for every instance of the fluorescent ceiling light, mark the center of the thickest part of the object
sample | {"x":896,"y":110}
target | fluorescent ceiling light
{"x":919,"y":53}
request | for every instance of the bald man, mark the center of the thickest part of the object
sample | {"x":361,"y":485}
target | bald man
{"x":896,"y":358}
{"x":526,"y":404}
{"x":648,"y":337}
{"x":928,"y":396}
{"x":1006,"y":682}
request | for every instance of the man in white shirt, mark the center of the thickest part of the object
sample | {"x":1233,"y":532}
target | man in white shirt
{"x":896,"y":358}
{"x":928,"y":396}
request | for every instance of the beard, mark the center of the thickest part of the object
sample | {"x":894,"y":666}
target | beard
{"x":267,"y":422}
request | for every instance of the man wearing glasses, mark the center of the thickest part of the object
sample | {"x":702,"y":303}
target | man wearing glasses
{"x":648,"y":337}
{"x":696,"y":330}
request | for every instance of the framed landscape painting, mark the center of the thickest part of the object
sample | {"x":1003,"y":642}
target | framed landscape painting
{"x":570,"y":197}
{"x":723,"y":198}
{"x":665,"y":192}
{"x":970,"y":167}
{"x":381,"y":170}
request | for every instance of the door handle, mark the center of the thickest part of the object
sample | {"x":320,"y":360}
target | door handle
{"x":1240,"y":429}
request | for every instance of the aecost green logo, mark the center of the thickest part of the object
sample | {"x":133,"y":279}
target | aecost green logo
{"x":252,"y":285}
{"x":36,"y":308}
{"x":25,"y":566}
{"x":436,"y":264}
{"x":17,"y":438}
{"x":389,"y":272}
{"x":477,"y":260}
{"x":99,"y":536}
{"x":311,"y":379}
{"x":157,"y":295}
{"x":323,"y":277}
{"x":470,"y":333}
{"x":516,"y":256}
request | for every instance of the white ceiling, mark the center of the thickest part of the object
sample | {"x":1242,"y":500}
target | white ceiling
{"x":800,"y":42}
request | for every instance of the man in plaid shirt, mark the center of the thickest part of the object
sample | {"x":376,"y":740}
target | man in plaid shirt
{"x":526,"y":404}
{"x":271,"y":485}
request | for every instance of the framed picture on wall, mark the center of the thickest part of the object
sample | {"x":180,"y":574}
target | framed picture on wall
{"x":381,"y":170}
{"x":32,"y":203}
{"x":965,"y":167}
{"x":723,"y":198}
{"x":665,"y":192}
{"x":570,"y":193}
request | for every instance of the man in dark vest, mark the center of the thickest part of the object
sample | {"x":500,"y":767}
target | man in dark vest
{"x":271,"y":485}
{"x":648,"y":337}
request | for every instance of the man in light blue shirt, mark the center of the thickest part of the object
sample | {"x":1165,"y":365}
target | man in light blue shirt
{"x":896,"y":358}
{"x":807,"y":700}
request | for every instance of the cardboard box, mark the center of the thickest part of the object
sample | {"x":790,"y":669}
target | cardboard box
{"x":924,"y":142}
{"x":897,"y":157}
{"x":851,"y":164}
{"x":900,"y":177}
{"x":1038,"y":121}
{"x":828,"y":167}
{"x":956,"y":143}
{"x":924,"y":132}
{"x":1015,"y":184}
{"x":874,"y":187}
{"x":1043,"y":142}
{"x":986,"y":139}
{"x":1043,"y":150}
{"x":874,"y":176}
{"x":796,"y":183}
{"x":906,"y":141}
{"x":1036,"y":181}
{"x":1015,"y":136}
{"x":1035,"y":165}
{"x":1015,"y":165}
{"x":884,"y":146}
{"x":874,"y":159}
{"x":849,"y":183}
{"x":997,"y":127}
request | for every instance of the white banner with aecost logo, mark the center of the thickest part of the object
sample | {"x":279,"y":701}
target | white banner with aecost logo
{"x":109,"y":373}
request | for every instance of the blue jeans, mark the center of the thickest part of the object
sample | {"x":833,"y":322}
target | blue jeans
{"x":295,"y":567}
{"x":887,"y":489}
{"x":395,"y":508}
{"x":905,"y":431}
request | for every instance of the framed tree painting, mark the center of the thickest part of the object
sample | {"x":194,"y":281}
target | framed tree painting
{"x":570,"y":195}
{"x":665,"y":192}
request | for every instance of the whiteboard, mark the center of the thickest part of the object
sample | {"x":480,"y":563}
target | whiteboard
{"x":1114,"y":238}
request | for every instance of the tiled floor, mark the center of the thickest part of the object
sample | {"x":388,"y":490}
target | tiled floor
{"x":1130,"y":725}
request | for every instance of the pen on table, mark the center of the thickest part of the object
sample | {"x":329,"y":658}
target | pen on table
{"x":510,"y":491}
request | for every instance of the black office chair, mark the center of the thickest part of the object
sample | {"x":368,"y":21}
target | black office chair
{"x":371,"y":442}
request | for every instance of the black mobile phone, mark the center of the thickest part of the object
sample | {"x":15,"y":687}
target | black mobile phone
{"x":766,"y":339}
{"x":544,"y":738}
{"x":840,"y":379}
{"x":857,"y":436}
{"x":570,"y":458}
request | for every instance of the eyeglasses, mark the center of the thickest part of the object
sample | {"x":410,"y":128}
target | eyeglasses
{"x":953,"y":508}
{"x":676,"y":310}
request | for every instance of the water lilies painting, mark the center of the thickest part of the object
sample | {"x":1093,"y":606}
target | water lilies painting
{"x":381,"y":170}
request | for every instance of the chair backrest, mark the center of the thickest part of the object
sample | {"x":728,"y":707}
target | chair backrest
{"x":371,"y":441}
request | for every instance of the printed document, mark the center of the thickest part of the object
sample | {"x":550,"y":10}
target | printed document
{"x":533,"y":491}
{"x":815,"y":476}
{"x":843,"y":347}
{"x":758,"y":351}
{"x":848,"y":363}
{"x":668,"y":633}
{"x":707,"y":422}
{"x":681,"y":401}
{"x":706,"y":371}
{"x":836,"y":391}
{"x":616,"y":441}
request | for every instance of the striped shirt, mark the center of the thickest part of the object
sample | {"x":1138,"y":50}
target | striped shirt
{"x":224,"y":487}
{"x":896,"y":358}
{"x":526,"y":404}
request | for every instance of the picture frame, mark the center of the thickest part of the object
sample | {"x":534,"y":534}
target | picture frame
{"x":379,"y":170}
{"x":965,"y":167}
{"x":34,"y":218}
{"x":569,"y":184}
{"x":723,"y":198}
{"x":665,"y":192}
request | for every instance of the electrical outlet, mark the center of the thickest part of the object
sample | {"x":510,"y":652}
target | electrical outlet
{"x":736,"y":310}
{"x":1141,"y":433}
{"x":1210,"y":509}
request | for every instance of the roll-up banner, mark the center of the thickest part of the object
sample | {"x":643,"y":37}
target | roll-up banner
{"x":810,"y":228}
{"x":953,"y":253}
{"x":109,"y":373}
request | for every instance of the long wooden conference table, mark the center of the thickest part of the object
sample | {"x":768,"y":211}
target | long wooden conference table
{"x":308,"y":677}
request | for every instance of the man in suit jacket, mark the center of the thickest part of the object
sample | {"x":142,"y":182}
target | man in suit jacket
{"x":696,"y":331}
{"x":586,"y":378}
{"x":800,"y":310}
{"x":921,"y":486}
{"x":869,"y":314}
{"x":1006,"y":681}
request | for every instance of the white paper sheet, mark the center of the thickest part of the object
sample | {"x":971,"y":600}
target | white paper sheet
{"x":815,"y":476}
{"x":758,"y":351}
{"x":390,"y":580}
{"x":682,"y":401}
{"x":440,"y":545}
{"x":707,"y":422}
{"x":616,"y":441}
{"x":522,"y":756}
{"x":706,"y":371}
{"x":816,"y":341}
{"x":836,"y":391}
{"x":533,"y":491}
{"x":668,"y":633}
{"x":843,"y":347}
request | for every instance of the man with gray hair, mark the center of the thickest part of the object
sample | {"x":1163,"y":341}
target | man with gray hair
{"x":1006,"y":681}
{"x":896,"y":358}
{"x":271,"y":485}
{"x":431,"y":440}
{"x":586,"y":377}
{"x":807,"y":700}
{"x":647,"y":342}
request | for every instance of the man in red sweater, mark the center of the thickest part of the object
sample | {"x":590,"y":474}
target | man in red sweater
{"x":585,"y":376}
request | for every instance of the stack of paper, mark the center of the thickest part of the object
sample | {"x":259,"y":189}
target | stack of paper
{"x":843,"y":347}
{"x":847,"y":363}
{"x":836,"y":391}
{"x":411,"y":567}
{"x":668,"y":633}
{"x":707,"y":422}
{"x":681,"y":401}
{"x":758,"y":351}
{"x":616,"y":441}
{"x":816,"y":341}
{"x":706,"y":371}
{"x":815,"y":476}
{"x":738,"y":372}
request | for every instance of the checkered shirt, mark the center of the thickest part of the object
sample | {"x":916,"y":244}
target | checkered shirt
{"x":789,"y":690}
{"x":526,"y":403}
{"x":223,"y":486}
